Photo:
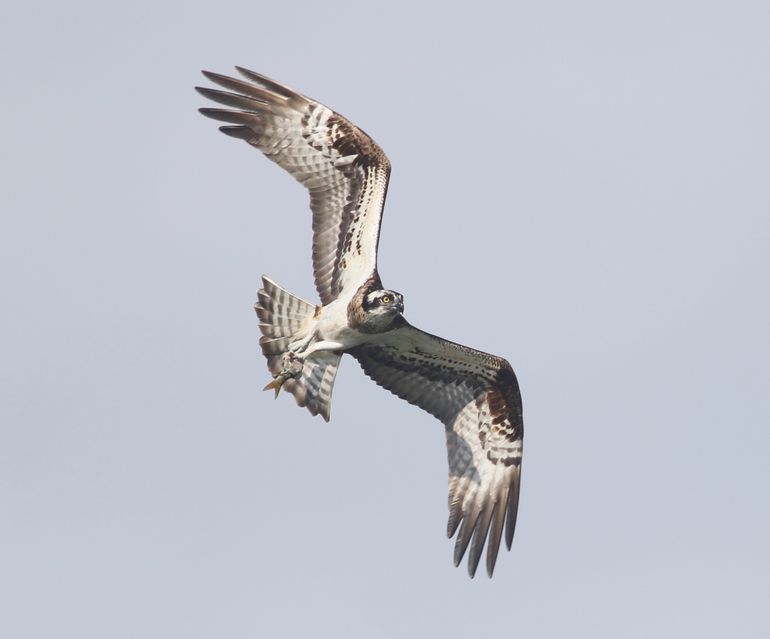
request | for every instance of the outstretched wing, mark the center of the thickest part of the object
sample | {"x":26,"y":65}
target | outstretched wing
{"x":344,"y":170}
{"x":476,"y":396}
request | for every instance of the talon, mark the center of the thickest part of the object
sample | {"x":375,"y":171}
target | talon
{"x":291,"y":366}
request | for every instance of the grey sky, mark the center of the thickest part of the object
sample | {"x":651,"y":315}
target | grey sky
{"x":580,"y":187}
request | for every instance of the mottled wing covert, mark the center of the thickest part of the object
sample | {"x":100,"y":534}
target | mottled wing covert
{"x":476,"y":396}
{"x":344,"y":170}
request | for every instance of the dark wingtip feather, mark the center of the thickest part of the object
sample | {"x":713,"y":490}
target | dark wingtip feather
{"x":479,"y":538}
{"x":213,"y":94}
{"x":225,"y":115}
{"x":223,"y":80}
{"x":464,"y":536}
{"x":513,"y":507}
{"x":455,"y":517}
{"x":496,"y":532}
{"x":510,"y":527}
{"x":266,"y":82}
{"x":248,"y":73}
{"x":253,"y":104}
{"x":210,"y":112}
{"x":493,"y":548}
{"x":240,"y":132}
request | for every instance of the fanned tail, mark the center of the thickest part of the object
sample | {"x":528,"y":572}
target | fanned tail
{"x":283,"y":319}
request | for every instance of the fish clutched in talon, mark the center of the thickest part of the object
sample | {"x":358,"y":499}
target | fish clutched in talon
{"x":291,"y":366}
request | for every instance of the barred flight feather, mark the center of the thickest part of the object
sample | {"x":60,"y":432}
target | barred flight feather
{"x":345,"y":172}
{"x":476,"y":396}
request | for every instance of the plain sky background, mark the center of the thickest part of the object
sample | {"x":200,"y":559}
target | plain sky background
{"x":581,"y":187}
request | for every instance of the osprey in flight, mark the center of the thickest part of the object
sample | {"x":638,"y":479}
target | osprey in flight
{"x":474,"y":394}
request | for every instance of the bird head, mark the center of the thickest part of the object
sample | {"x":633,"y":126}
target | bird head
{"x":382,"y":307}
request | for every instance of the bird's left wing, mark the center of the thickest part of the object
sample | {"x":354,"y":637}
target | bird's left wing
{"x":343,"y":169}
{"x":476,"y":396}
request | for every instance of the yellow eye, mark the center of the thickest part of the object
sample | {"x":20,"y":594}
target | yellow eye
{"x":386,"y":299}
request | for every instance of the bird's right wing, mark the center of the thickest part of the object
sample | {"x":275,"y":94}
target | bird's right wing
{"x":476,"y":396}
{"x":344,"y":170}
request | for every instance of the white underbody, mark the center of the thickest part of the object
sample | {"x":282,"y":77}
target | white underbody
{"x":329,"y":332}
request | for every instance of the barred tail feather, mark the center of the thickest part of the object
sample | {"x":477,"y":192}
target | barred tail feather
{"x":313,"y":388}
{"x":284,"y":318}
